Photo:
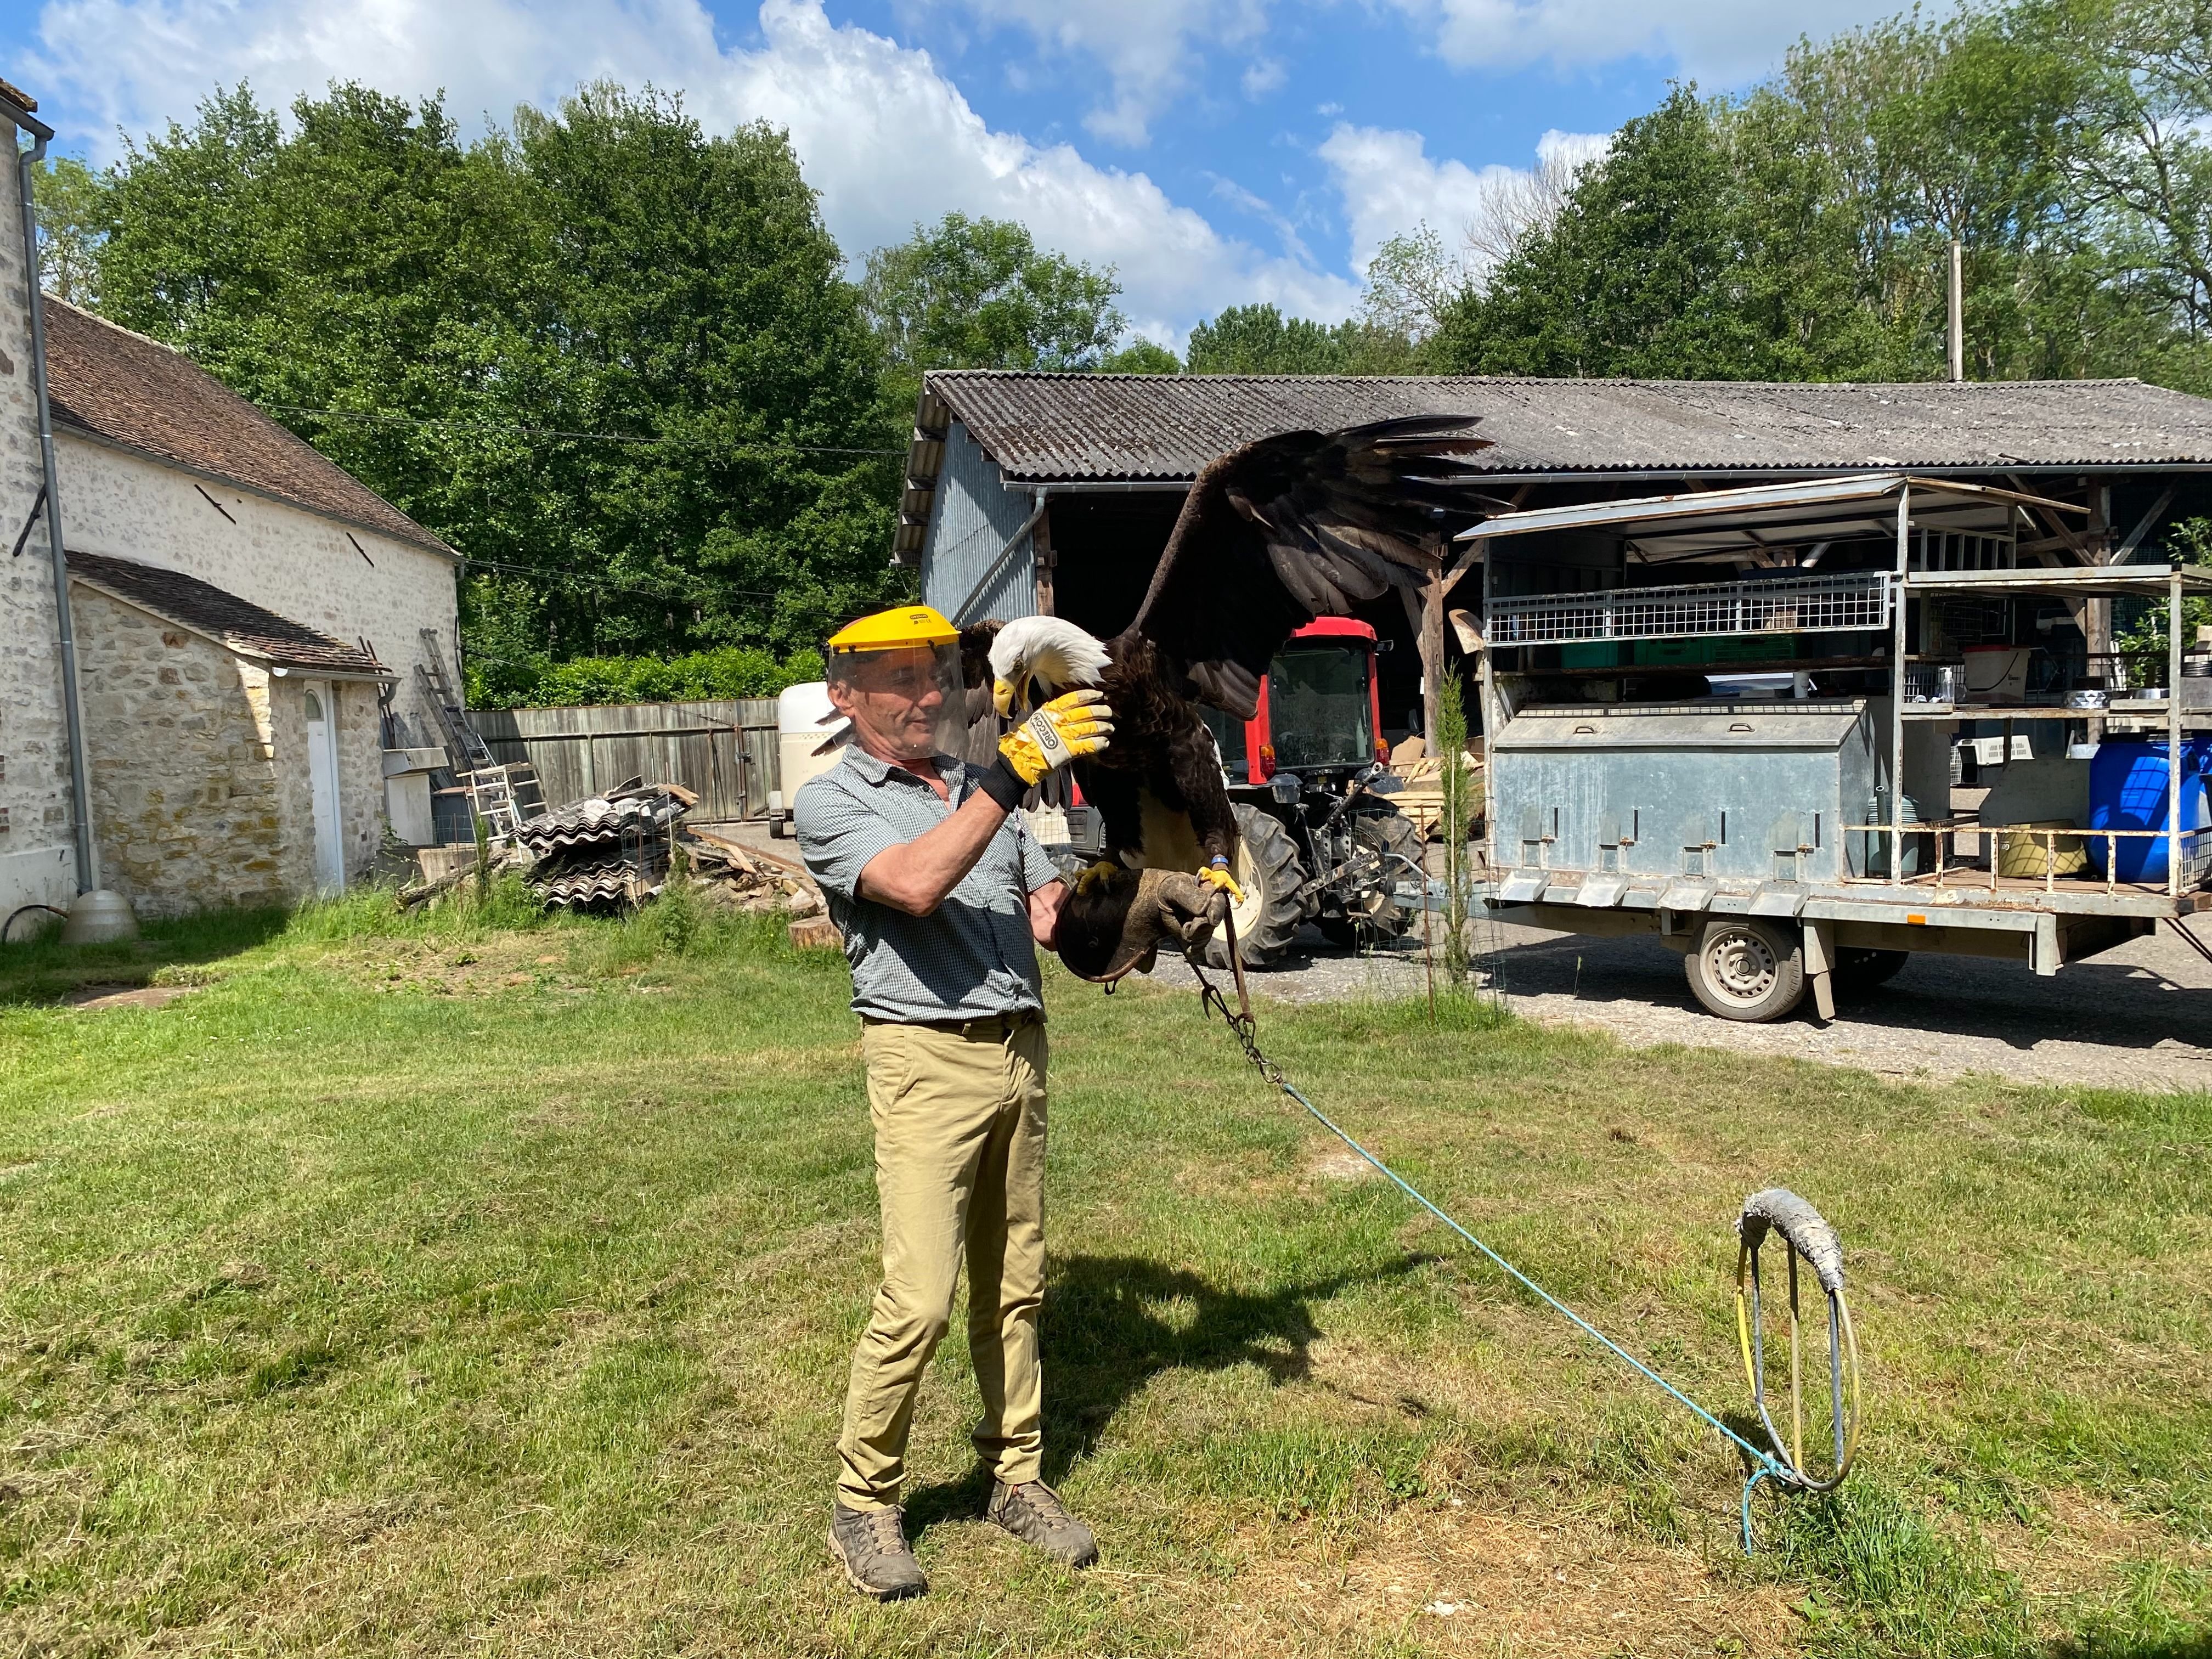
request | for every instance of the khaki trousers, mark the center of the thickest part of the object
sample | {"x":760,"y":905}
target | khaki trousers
{"x":959,"y":1121}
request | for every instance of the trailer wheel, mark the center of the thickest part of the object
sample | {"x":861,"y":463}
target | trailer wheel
{"x":1747,"y":969}
{"x":1858,"y":968}
{"x":1269,"y":870}
{"x":1391,"y":833}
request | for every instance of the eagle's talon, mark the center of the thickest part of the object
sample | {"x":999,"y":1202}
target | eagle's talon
{"x":1100,"y":874}
{"x":1221,"y":877}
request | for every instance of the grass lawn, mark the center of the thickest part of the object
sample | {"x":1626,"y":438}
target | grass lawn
{"x":460,"y":1286}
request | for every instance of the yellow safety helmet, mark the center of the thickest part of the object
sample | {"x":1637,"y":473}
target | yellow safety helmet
{"x":907,"y":626}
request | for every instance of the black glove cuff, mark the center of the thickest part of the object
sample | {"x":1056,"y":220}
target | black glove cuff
{"x":1003,"y":785}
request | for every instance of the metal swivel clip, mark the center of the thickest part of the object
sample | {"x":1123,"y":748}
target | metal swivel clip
{"x":1805,"y":1235}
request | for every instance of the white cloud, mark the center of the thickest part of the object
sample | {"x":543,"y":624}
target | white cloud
{"x":881,"y":132}
{"x":1719,"y":42}
{"x":1149,"y":48}
{"x":1389,"y":185}
{"x":1263,"y":76}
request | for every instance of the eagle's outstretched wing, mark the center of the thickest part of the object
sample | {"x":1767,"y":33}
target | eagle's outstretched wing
{"x":1299,"y":525}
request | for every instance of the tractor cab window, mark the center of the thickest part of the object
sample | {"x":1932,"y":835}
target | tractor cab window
{"x":1229,"y":733}
{"x":1318,"y":705}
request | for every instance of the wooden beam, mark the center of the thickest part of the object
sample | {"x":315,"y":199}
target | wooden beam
{"x":2143,"y":526}
{"x":1046,"y":561}
{"x":1478,"y":550}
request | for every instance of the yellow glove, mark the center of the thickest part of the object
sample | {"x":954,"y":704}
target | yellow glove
{"x":1069,"y":726}
{"x":1217,"y":874}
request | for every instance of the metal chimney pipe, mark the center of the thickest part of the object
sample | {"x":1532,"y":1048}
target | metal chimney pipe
{"x":26,"y":162}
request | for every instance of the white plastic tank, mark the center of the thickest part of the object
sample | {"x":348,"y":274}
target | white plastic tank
{"x":811,"y":736}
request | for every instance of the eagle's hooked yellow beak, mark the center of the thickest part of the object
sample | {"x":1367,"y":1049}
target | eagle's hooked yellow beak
{"x":1002,"y":698}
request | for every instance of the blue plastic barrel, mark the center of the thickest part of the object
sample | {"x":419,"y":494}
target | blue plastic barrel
{"x":2127,"y":791}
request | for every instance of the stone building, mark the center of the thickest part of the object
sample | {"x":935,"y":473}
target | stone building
{"x":249,"y":619}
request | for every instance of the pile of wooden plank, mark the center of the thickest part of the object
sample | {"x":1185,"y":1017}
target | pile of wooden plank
{"x":1420,"y":791}
{"x":750,"y":877}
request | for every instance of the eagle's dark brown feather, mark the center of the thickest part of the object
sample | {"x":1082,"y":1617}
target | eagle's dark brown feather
{"x":1294,"y":526}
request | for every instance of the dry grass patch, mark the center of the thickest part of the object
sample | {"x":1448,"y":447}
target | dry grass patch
{"x":1459,"y":1581}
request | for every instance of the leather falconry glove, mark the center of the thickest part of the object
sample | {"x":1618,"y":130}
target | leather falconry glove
{"x":1068,"y":727}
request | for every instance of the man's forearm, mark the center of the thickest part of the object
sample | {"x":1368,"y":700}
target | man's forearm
{"x":1044,"y":911}
{"x":915,"y":876}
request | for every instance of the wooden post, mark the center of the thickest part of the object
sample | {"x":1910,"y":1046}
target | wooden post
{"x":1958,"y":317}
{"x":1432,"y":644}
{"x":1047,"y":563}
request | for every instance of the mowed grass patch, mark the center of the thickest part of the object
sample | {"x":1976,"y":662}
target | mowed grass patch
{"x":432,"y":1283}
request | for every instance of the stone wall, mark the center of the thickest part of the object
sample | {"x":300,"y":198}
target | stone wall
{"x":303,"y":566}
{"x":37,"y":863}
{"x":201,"y":793}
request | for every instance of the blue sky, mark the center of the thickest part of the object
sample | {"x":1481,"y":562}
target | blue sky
{"x":1213,"y":151}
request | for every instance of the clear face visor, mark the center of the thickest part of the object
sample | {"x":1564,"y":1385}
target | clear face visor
{"x":909,"y":696}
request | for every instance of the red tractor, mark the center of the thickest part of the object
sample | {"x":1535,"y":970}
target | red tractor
{"x":1321,"y":840}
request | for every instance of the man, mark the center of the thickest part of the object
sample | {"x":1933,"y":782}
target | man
{"x":942,"y":896}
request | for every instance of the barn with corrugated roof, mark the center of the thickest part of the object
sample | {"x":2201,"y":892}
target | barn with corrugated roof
{"x":1055,"y":493}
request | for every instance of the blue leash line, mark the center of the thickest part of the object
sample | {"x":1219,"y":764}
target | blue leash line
{"x":1767,"y":1467}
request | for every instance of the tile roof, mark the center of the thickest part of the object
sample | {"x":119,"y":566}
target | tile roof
{"x":1045,"y":428}
{"x":234,"y":622}
{"x":140,"y":394}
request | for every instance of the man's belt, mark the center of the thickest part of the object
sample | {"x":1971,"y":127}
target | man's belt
{"x":989,"y":1027}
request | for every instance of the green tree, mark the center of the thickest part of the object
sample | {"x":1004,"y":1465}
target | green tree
{"x":979,"y":294}
{"x":1140,"y":356}
{"x":1923,"y":132}
{"x":72,"y":201}
{"x":1258,"y":339}
{"x":610,"y":355}
{"x":1644,"y":272}
{"x":1412,"y":285}
{"x":1803,"y":230}
{"x":2141,"y":636}
{"x":2136,"y":155}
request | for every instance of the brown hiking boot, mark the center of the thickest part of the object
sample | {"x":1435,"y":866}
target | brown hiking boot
{"x":870,"y":1544}
{"x":1032,"y":1512}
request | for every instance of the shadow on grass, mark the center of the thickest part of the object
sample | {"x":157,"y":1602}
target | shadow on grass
{"x":41,"y":970}
{"x":1112,"y":1323}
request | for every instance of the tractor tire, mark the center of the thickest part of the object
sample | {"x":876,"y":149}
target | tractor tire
{"x":1269,"y":870}
{"x":1391,"y":833}
{"x":1858,"y":968}
{"x":1746,"y":968}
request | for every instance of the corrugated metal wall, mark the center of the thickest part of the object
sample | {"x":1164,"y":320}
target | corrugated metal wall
{"x":970,"y":519}
{"x":725,"y":750}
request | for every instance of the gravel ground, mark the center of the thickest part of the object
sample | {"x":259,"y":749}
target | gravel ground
{"x":2139,"y":1017}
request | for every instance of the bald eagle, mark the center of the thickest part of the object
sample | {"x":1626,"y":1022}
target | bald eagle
{"x":1289,"y":527}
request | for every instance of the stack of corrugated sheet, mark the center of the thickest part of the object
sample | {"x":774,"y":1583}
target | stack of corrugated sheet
{"x":609,"y":851}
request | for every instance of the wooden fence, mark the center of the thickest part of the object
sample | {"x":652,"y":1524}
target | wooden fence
{"x":724,"y":750}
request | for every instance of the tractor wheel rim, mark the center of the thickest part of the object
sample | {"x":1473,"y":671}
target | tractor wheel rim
{"x":1743,"y":966}
{"x":1247,"y":915}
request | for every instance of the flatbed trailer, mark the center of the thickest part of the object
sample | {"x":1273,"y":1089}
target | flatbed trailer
{"x":1772,"y":841}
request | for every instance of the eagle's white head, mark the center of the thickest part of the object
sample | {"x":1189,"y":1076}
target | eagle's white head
{"x":1042,"y":653}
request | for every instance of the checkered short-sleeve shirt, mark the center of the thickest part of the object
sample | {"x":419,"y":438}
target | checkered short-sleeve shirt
{"x":969,"y":958}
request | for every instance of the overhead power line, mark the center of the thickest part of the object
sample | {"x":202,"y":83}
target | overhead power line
{"x":573,"y":580}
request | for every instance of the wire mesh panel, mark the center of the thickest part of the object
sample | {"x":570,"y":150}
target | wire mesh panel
{"x":1787,"y":605}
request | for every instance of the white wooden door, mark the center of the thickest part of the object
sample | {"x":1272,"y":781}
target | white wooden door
{"x":323,"y":777}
